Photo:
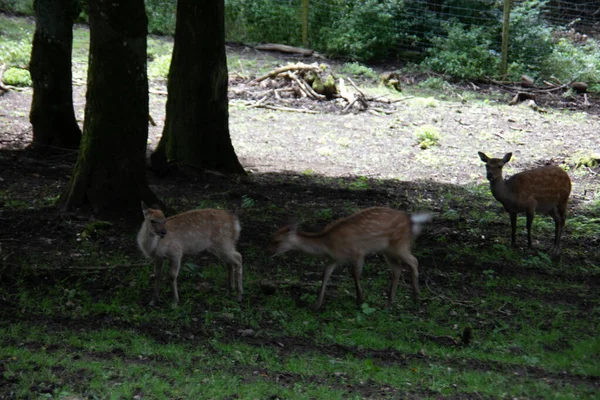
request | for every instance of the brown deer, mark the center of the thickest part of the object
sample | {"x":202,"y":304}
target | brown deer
{"x":188,"y":233}
{"x":350,"y":239}
{"x":543,"y":190}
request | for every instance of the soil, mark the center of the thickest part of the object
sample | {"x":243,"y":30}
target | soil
{"x":300,"y":161}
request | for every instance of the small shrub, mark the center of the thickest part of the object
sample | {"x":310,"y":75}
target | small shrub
{"x":433,"y":82}
{"x":159,"y":67}
{"x":365,"y":30}
{"x":161,"y":16}
{"x":464,"y":53}
{"x":17,"y":6}
{"x":17,"y":77}
{"x":571,"y":61}
{"x":358,"y":69}
{"x":427,"y":136}
{"x":15,"y":53}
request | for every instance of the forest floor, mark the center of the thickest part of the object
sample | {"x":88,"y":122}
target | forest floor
{"x":74,"y":320}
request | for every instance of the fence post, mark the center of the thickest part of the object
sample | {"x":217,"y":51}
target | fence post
{"x":305,"y":24}
{"x":504,"y":62}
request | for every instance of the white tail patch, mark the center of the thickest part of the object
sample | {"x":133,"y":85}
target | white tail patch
{"x":418,"y":220}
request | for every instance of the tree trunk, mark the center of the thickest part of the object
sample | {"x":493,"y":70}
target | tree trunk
{"x":110,"y":175}
{"x":196,"y":128}
{"x":52,"y":115}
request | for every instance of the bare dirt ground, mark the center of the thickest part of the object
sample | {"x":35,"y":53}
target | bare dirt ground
{"x":311,"y":160}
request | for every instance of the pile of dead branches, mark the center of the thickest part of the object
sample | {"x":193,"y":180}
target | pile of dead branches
{"x":312,"y":82}
{"x":527,"y":91}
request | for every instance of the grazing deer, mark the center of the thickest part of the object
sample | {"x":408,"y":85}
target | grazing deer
{"x":188,"y":233}
{"x":350,"y":239}
{"x":543,"y":190}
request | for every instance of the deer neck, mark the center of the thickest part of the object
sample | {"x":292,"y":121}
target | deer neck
{"x":311,"y":243}
{"x":501,"y":191}
{"x":147,"y":241}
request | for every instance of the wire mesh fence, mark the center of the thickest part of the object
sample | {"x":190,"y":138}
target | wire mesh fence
{"x":407,"y":26}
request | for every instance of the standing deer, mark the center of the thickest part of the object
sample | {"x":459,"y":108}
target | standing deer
{"x":188,"y":233}
{"x":350,"y":239}
{"x":543,"y":190}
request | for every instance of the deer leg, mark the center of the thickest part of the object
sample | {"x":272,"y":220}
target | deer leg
{"x":513,"y":229}
{"x":239,"y":270}
{"x":558,"y":224}
{"x":530,"y":215}
{"x":413,"y":263}
{"x":356,"y":272}
{"x":174,"y":273}
{"x":235,"y":270}
{"x":395,"y":277}
{"x":158,"y":264}
{"x":326,"y":275}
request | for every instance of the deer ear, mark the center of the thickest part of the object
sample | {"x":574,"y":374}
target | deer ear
{"x":506,"y":158}
{"x":144,"y":208}
{"x":483,"y":157}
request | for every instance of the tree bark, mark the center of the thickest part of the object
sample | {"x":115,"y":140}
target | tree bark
{"x":110,"y":174}
{"x":196,"y":128}
{"x":52,"y":115}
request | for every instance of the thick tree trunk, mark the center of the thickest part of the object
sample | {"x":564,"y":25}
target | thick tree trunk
{"x":52,"y":115}
{"x":110,"y":174}
{"x":197,"y":122}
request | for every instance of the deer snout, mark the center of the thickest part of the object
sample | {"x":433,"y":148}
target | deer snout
{"x":162,"y":233}
{"x":490,"y":177}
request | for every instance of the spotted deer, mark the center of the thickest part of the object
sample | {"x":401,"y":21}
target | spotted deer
{"x":188,"y":233}
{"x":543,"y":190}
{"x":350,"y":239}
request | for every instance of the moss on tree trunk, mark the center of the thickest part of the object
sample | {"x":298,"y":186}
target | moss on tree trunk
{"x":110,"y":175}
{"x":196,"y":128}
{"x":52,"y":115}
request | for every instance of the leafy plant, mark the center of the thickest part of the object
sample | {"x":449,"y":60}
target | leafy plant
{"x":427,"y":136}
{"x":465,"y":53}
{"x":15,"y":53}
{"x":358,"y":69}
{"x":247,"y":201}
{"x":159,"y":67}
{"x":17,"y":77}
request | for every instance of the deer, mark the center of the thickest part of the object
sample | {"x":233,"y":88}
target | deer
{"x":189,"y":233}
{"x":543,"y":190}
{"x":348,"y":240}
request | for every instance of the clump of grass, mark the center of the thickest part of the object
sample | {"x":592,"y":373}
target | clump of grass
{"x":16,"y":53}
{"x":358,"y":69}
{"x":159,"y":67}
{"x":427,"y":136}
{"x":17,"y":77}
{"x":433,"y":82}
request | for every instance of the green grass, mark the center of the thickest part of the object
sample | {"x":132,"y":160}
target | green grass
{"x":88,"y":332}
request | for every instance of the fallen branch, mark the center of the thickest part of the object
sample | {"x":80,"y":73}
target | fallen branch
{"x":293,"y":67}
{"x":300,"y":110}
{"x":284,"y":49}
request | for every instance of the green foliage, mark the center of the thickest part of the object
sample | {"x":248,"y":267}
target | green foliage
{"x":161,"y":16}
{"x":365,"y":30}
{"x":530,"y":40}
{"x":569,"y":61}
{"x":263,"y":21}
{"x":17,"y":77}
{"x":358,"y":69}
{"x":433,"y":82}
{"x":159,"y":67}
{"x":465,"y":53}
{"x":15,"y":53}
{"x":427,"y":136}
{"x":17,"y":6}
